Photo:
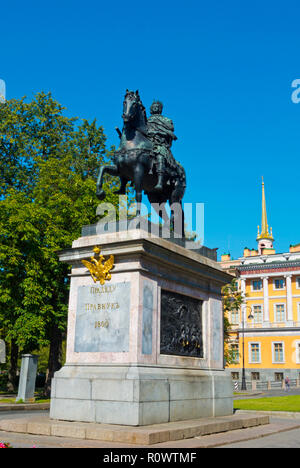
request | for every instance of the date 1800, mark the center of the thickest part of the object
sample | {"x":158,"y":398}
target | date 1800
{"x":101,"y":324}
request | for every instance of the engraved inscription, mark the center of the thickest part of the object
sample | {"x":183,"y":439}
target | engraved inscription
{"x":103,"y":323}
{"x":105,"y":306}
{"x":102,"y":318}
{"x":181,"y":325}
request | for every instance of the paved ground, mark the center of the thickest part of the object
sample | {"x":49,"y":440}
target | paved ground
{"x":279,"y":433}
{"x":288,"y":439}
{"x":282,"y":432}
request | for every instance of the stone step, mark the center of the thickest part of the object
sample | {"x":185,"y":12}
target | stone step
{"x":143,"y":435}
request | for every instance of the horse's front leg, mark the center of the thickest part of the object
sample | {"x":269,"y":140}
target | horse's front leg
{"x":122,"y":189}
{"x":138,"y":182}
{"x":177,"y":214}
{"x":112,"y":170}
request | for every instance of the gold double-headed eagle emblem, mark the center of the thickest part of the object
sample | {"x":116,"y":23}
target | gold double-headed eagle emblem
{"x":99,"y":271}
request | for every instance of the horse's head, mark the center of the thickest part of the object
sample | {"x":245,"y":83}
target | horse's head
{"x":132,"y":106}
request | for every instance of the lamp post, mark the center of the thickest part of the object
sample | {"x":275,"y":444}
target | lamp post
{"x":250,"y":317}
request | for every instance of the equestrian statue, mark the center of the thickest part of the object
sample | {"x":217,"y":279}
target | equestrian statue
{"x":144,"y":157}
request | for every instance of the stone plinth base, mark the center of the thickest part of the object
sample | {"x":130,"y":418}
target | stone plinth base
{"x":138,"y":396}
{"x":145,"y":347}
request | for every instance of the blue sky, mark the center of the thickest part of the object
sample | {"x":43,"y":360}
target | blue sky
{"x":223,"y":71}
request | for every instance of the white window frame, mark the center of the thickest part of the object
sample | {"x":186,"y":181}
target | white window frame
{"x":257,"y":290}
{"x":262,"y":312}
{"x":279,"y":373}
{"x":235,"y":372}
{"x":255,"y":372}
{"x":279,"y":289}
{"x":238,"y":352}
{"x":297,"y":343}
{"x":273,"y":352}
{"x":237,"y":316}
{"x":275,"y":312}
{"x":250,"y":352}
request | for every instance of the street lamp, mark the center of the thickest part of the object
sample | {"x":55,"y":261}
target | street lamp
{"x":250,"y":317}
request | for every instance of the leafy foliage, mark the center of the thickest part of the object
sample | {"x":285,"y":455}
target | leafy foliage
{"x":49,"y":165}
{"x":232,"y":300}
{"x":289,"y":403}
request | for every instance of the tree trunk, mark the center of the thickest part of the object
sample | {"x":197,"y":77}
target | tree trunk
{"x":12,"y":384}
{"x":54,"y":361}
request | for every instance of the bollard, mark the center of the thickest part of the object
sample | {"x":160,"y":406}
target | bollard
{"x":27,"y":378}
{"x":2,"y":352}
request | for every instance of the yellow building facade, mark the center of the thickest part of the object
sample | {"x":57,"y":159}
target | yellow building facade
{"x":267,"y":327}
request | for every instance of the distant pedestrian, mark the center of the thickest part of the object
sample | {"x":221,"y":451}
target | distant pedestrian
{"x":287,"y":384}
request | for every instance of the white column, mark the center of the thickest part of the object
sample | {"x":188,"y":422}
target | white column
{"x":266,"y":300}
{"x":243,"y":308}
{"x":289,"y":301}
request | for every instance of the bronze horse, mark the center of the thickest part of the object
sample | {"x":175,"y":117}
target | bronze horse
{"x":134,"y":160}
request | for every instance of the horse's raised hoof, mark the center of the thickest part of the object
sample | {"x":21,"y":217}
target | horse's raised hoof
{"x":100,"y":194}
{"x":158,"y":188}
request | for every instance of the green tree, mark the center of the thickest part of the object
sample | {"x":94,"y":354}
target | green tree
{"x":16,"y":163}
{"x":232,"y":300}
{"x":42,"y":210}
{"x":15,"y":235}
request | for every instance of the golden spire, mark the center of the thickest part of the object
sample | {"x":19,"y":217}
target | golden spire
{"x":264,"y":234}
{"x":264,"y":221}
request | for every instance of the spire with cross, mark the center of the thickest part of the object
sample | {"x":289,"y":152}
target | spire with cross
{"x":264,"y":236}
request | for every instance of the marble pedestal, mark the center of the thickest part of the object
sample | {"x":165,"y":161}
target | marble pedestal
{"x":147,"y":346}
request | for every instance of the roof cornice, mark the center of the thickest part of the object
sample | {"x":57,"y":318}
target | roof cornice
{"x":268,"y":266}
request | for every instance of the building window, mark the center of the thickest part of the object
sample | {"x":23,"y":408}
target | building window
{"x":298,"y":282}
{"x":279,"y":283}
{"x":254,"y":352}
{"x":256,"y":285}
{"x":235,"y":317}
{"x":235,"y":352}
{"x":278,"y":376}
{"x":298,"y":352}
{"x":257,"y":313}
{"x":298,"y":311}
{"x":255,"y":376}
{"x":279,"y":312}
{"x":235,"y":375}
{"x":278,"y":353}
